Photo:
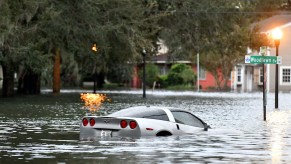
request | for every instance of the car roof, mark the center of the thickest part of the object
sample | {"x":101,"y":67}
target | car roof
{"x":139,"y":111}
{"x":145,"y":111}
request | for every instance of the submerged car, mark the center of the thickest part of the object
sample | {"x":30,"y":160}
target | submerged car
{"x":142,"y":121}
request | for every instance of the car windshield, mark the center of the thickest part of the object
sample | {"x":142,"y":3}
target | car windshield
{"x":142,"y":112}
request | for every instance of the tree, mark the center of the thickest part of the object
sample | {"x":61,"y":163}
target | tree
{"x":218,"y":30}
{"x":38,"y":36}
{"x":11,"y":24}
{"x":152,"y":73}
{"x":120,"y":73}
{"x":39,"y":31}
{"x":23,"y":50}
{"x":127,"y":27}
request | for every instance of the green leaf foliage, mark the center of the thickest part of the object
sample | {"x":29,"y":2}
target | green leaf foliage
{"x":163,"y":81}
{"x":220,"y":31}
{"x":120,"y":73}
{"x":152,"y":73}
{"x":180,"y":74}
{"x":30,"y":31}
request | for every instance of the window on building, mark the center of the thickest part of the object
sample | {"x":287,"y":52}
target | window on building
{"x":285,"y":77}
{"x":202,"y":74}
{"x":163,"y":69}
{"x":238,"y":78}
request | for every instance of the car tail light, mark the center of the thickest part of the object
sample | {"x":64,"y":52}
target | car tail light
{"x":132,"y":124}
{"x":85,"y":122}
{"x":123,"y":124}
{"x":92,"y":122}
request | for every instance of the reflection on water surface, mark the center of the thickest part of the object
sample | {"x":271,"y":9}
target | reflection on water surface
{"x":45,"y":128}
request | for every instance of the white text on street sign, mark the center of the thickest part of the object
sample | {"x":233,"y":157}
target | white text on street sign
{"x":263,"y":59}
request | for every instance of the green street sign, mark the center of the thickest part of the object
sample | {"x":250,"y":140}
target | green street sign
{"x":263,"y":59}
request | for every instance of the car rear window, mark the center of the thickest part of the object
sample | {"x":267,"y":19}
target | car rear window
{"x":142,"y":112}
{"x":158,"y":117}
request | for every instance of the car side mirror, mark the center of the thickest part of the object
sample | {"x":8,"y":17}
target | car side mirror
{"x":206,"y":127}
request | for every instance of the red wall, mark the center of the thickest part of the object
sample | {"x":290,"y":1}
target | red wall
{"x":135,"y":82}
{"x":209,"y":82}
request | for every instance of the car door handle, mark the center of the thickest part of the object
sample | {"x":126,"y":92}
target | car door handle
{"x":178,"y":127}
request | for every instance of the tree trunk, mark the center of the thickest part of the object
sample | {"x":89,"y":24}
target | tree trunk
{"x":57,"y":72}
{"x":100,"y":79}
{"x":217,"y":80}
{"x":8,"y":80}
{"x":29,"y":83}
{"x":225,"y":86}
{"x":225,"y":76}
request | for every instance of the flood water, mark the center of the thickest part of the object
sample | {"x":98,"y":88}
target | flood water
{"x":45,"y":129}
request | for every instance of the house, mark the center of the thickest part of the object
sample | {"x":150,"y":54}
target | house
{"x":164,"y":63}
{"x":249,"y":77}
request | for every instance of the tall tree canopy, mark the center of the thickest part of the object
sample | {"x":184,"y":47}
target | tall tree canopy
{"x":37,"y":36}
{"x":53,"y":38}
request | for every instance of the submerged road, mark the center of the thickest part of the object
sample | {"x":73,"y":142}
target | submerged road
{"x":45,"y":128}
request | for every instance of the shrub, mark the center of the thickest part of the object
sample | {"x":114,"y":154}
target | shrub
{"x":162,"y":81}
{"x":180,"y":74}
{"x":174,"y":78}
{"x":188,"y":76}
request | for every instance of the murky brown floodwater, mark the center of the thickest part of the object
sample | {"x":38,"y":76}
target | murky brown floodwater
{"x":45,"y":129}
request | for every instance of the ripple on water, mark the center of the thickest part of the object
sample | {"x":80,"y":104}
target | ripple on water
{"x":48,"y":130}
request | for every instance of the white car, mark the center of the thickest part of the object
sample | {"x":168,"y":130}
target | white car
{"x":142,"y":121}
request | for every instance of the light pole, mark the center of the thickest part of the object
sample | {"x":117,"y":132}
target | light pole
{"x":144,"y":74}
{"x":94,"y":49}
{"x":277,"y":35}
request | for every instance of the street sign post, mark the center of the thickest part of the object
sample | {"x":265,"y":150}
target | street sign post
{"x":263,"y":59}
{"x":264,"y":92}
{"x":263,"y":52}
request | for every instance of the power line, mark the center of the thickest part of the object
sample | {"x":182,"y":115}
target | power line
{"x":231,"y":12}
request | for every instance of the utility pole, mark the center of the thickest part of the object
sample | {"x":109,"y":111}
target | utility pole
{"x":198,"y":84}
{"x":144,"y":74}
